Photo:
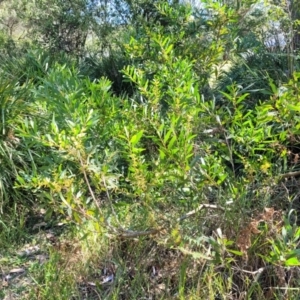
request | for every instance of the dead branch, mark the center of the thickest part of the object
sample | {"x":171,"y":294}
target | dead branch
{"x":133,"y":234}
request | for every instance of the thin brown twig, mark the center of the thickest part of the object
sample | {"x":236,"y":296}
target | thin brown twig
{"x":200,"y":207}
{"x":256,"y":274}
{"x":109,"y":200}
{"x":132,"y":234}
{"x":88,"y":184}
{"x":290,"y":174}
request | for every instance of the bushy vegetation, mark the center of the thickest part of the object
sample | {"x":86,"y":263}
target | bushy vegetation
{"x":149,"y":150}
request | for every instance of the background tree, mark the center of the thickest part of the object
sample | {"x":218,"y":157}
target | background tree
{"x":60,"y":25}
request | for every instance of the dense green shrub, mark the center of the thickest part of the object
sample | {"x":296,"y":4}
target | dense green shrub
{"x":134,"y":144}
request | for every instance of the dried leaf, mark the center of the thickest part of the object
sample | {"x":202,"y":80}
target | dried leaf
{"x":268,"y":214}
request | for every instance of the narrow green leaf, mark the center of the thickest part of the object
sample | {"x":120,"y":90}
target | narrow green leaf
{"x":138,"y":150}
{"x":167,"y":136}
{"x":172,"y":141}
{"x":169,"y":49}
{"x":241,"y":98}
{"x":239,"y":253}
{"x":293,"y":107}
{"x":293,"y":261}
{"x":136,"y":138}
{"x":293,"y":253}
{"x":162,"y":154}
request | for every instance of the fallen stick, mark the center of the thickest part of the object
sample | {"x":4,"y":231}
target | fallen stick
{"x":200,"y":207}
{"x":290,"y":174}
